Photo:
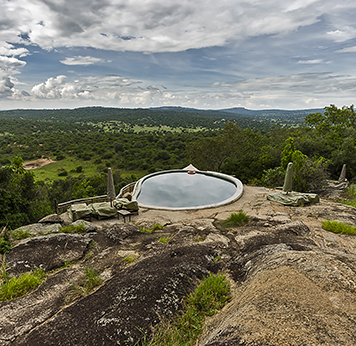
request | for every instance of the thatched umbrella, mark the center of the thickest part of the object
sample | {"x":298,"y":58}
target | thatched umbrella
{"x":288,"y":179}
{"x":111,"y":187}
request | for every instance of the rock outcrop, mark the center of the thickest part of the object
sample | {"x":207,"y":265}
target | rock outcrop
{"x":293,"y":283}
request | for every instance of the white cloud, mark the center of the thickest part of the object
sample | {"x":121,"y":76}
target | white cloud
{"x":347,"y":50}
{"x":290,"y":91}
{"x":160,"y":25}
{"x":82,"y":60}
{"x":314,"y":61}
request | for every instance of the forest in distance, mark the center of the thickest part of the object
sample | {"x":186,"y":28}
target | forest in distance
{"x":84,"y":142}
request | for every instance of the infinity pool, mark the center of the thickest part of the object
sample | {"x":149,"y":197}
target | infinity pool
{"x":181,"y":189}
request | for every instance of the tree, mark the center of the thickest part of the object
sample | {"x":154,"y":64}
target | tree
{"x":21,"y":200}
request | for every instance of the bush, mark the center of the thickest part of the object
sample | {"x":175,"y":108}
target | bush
{"x":63,"y":173}
{"x":273,"y":177}
{"x":5,"y":244}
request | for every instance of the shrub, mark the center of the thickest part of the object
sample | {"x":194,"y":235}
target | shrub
{"x":235,"y":219}
{"x":63,"y":173}
{"x":273,"y":177}
{"x":5,"y":244}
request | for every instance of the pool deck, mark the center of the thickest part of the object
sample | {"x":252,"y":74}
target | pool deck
{"x":249,"y":200}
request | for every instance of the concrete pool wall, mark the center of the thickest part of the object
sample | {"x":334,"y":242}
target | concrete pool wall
{"x":236,"y":194}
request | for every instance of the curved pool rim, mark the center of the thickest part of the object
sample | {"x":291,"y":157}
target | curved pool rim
{"x":238,"y":192}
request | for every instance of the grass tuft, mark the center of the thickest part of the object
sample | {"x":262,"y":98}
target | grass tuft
{"x":129,"y":259}
{"x":202,"y":238}
{"x":12,"y":287}
{"x":163,"y":239}
{"x":236,"y":219}
{"x":339,"y":227}
{"x":73,"y":229}
{"x":90,"y":281}
{"x":20,"y":234}
{"x":210,"y":296}
{"x":152,"y":229}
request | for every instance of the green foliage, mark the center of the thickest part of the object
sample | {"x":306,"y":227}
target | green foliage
{"x":152,"y":229}
{"x":73,"y":229}
{"x":129,"y":259}
{"x":288,"y":151}
{"x":236,"y":219}
{"x":333,"y":119}
{"x":12,"y":288}
{"x":348,"y":196}
{"x":309,"y":174}
{"x":199,"y":239}
{"x":163,"y":239}
{"x":90,"y":281}
{"x":20,"y":197}
{"x":20,"y":234}
{"x":209,"y":297}
{"x":339,"y":227}
{"x":5,"y":243}
{"x":272,"y":177}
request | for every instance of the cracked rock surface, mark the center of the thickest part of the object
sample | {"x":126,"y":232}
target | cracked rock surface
{"x":293,"y":283}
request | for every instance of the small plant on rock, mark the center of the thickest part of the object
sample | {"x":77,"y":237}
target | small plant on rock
{"x":163,"y":240}
{"x":89,"y":282}
{"x":73,"y":229}
{"x":236,"y":219}
{"x":129,"y":259}
{"x":20,"y":234}
{"x":210,"y":296}
{"x":15,"y":287}
{"x":339,"y":227}
{"x":152,"y":229}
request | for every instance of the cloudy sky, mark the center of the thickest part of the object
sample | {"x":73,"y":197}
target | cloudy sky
{"x":256,"y":54}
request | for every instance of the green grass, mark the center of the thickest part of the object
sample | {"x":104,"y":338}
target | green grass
{"x":90,"y":281}
{"x":15,"y":287}
{"x":20,"y":234}
{"x":210,"y":296}
{"x":236,"y":219}
{"x":163,"y":239}
{"x":50,"y":171}
{"x":129,"y":259}
{"x":339,"y":227}
{"x":73,"y":229}
{"x":152,"y":229}
{"x":349,"y":196}
{"x":70,"y":164}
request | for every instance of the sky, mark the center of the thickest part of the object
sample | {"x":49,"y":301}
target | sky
{"x":206,"y":54}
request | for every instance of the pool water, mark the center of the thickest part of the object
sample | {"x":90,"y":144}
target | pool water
{"x":179,"y":189}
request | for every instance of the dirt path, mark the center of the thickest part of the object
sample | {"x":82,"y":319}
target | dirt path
{"x":37,"y":163}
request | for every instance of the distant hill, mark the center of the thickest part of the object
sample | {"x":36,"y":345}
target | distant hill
{"x":167,"y":116}
{"x":280,"y":117}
